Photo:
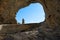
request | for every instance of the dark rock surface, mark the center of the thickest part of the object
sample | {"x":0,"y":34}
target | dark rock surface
{"x":48,"y":30}
{"x":8,"y":9}
{"x":43,"y":32}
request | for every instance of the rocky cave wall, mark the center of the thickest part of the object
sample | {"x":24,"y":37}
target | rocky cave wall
{"x":8,"y":9}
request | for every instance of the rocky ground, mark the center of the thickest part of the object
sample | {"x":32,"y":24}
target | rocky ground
{"x":43,"y":32}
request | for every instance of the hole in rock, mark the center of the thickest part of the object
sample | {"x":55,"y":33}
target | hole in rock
{"x":34,"y":13}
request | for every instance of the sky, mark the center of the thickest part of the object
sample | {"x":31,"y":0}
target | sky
{"x":34,"y":13}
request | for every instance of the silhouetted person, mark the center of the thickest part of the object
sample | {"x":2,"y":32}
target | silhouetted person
{"x":23,"y":21}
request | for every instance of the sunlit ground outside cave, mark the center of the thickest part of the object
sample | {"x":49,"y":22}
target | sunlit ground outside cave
{"x":34,"y":13}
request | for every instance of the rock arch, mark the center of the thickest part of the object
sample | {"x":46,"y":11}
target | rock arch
{"x":51,"y":26}
{"x":8,"y":9}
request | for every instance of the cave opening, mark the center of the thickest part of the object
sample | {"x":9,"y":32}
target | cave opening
{"x":34,"y":13}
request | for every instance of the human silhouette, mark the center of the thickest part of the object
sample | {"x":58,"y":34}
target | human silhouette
{"x":23,"y":21}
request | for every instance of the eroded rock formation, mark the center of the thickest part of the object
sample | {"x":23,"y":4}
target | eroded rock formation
{"x":50,"y":29}
{"x":8,"y":9}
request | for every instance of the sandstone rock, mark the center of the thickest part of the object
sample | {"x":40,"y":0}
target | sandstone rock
{"x":48,"y":30}
{"x":8,"y":9}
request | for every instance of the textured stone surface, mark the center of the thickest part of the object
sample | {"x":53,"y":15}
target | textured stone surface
{"x":40,"y":31}
{"x":12,"y":28}
{"x":48,"y":30}
{"x":8,"y":9}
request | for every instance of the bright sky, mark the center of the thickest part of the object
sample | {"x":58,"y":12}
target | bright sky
{"x":34,"y":13}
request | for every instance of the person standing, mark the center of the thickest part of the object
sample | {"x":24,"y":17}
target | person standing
{"x":23,"y":21}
